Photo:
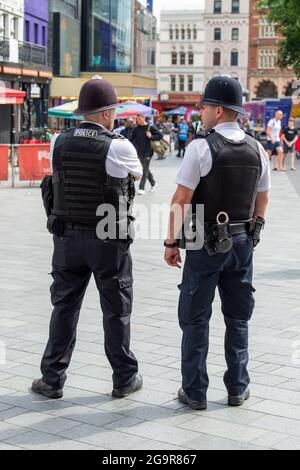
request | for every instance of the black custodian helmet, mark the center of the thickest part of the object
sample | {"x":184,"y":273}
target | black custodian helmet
{"x":224,"y":91}
{"x":96,"y":95}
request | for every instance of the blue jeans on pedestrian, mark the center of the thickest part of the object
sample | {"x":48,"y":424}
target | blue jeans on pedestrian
{"x":232,"y":274}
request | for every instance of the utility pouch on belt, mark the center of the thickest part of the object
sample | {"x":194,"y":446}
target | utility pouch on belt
{"x":218,"y":239}
{"x":47,"y":194}
{"x":55,"y":225}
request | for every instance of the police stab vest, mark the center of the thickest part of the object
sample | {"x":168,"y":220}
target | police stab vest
{"x":231,"y":185}
{"x":80,"y":181}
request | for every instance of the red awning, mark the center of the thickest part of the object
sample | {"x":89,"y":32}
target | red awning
{"x":11,"y":96}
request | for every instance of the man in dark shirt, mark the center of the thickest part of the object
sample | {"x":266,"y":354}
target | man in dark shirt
{"x":290,"y":137}
{"x":141,"y":138}
{"x":129,"y":125}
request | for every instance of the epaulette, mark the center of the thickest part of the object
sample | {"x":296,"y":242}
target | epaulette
{"x":66,"y":130}
{"x":119,"y":136}
{"x":203,"y":133}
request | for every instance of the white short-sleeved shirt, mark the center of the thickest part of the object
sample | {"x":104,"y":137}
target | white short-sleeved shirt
{"x":121,"y":160}
{"x":275,"y":127}
{"x":197,"y":162}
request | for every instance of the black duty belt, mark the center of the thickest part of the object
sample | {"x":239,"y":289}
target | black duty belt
{"x":236,"y":228}
{"x":73,"y":226}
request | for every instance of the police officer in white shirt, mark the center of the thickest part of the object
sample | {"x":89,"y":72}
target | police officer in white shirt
{"x":93,"y":169}
{"x":274,"y":146}
{"x":228,"y":172}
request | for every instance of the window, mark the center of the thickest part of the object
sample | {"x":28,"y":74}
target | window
{"x":14,"y":28}
{"x":217,"y":34}
{"x":235,"y":34}
{"x":235,"y":7}
{"x":177,"y":33}
{"x":190,"y":83}
{"x":191,"y":58}
{"x":183,"y":34}
{"x":266,"y":29}
{"x":36,"y":33}
{"x":174,"y":58}
{"x":267,"y":58}
{"x":171,"y":35}
{"x":234,"y":58}
{"x":189,"y":34}
{"x":217,"y":6}
{"x":152,"y":57}
{"x":195,"y":33}
{"x":27,"y":31}
{"x":181,"y":82}
{"x":44,"y":40}
{"x":173,"y":82}
{"x":2,"y":26}
{"x":182,"y":58}
{"x":153,"y":33}
{"x":217,"y":57}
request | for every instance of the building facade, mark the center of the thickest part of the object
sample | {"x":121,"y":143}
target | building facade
{"x":107,"y":49}
{"x":181,"y":58}
{"x":227,"y":39}
{"x":144,"y":40}
{"x":24,"y":63}
{"x":265,"y":78}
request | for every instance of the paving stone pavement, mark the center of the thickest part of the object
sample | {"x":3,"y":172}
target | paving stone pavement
{"x":87,"y":417}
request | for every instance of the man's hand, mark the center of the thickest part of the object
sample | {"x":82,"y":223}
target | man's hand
{"x":148,"y":134}
{"x":173,"y":258}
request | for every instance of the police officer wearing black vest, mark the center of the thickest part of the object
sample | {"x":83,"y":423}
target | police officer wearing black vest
{"x":92,"y":168}
{"x":228,"y":172}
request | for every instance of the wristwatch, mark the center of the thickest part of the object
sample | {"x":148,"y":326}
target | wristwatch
{"x":170,"y":245}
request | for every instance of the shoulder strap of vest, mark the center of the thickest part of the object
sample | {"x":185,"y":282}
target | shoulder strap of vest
{"x":252,"y":142}
{"x":215,"y":142}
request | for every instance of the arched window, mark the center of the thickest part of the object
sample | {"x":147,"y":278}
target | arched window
{"x":217,"y":6}
{"x":235,"y":34}
{"x":182,"y":58}
{"x":176,"y":33}
{"x":171,"y":34}
{"x":191,"y":58}
{"x":234,"y":58}
{"x":182,"y":33}
{"x":189,"y":33}
{"x":217,"y":34}
{"x":217,"y":58}
{"x":194,"y":33}
{"x":267,"y":89}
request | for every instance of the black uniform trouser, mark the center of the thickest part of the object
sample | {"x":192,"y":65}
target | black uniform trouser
{"x":181,"y":147}
{"x":78,"y":255}
{"x":147,"y":174}
{"x":232,"y":274}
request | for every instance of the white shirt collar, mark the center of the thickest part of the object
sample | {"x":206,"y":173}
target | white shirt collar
{"x":227,"y":125}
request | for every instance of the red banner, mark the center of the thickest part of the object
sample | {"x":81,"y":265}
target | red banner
{"x":4,"y":151}
{"x":34,"y":162}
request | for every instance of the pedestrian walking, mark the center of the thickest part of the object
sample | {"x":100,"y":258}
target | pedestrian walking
{"x":183,"y":135}
{"x":290,"y":137}
{"x":141,"y":137}
{"x":274,"y":146}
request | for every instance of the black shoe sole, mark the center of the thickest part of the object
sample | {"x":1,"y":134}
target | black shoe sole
{"x":116,"y":393}
{"x":54,"y":395}
{"x":194,"y":405}
{"x":238,"y":401}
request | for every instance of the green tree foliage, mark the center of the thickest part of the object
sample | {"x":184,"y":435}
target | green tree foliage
{"x":286,"y":15}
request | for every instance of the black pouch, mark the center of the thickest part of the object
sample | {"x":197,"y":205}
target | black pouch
{"x":55,"y":225}
{"x":47,"y":194}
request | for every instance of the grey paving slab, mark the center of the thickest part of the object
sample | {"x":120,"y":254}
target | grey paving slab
{"x":87,"y":417}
